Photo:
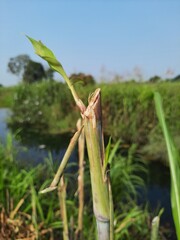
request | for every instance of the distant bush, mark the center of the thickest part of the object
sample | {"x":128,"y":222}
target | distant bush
{"x":81,"y":77}
{"x":41,"y":105}
{"x":155,"y":79}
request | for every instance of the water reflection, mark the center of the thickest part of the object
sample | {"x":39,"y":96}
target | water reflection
{"x":4,"y":114}
{"x":33,"y":147}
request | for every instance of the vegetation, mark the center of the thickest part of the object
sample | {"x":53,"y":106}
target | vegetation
{"x":83,"y":78}
{"x":99,"y":160}
{"x":33,"y":72}
{"x":93,"y":132}
{"x":174,"y":163}
{"x":128,"y":111}
{"x":129,"y":114}
{"x":30,"y":71}
{"x":29,"y":214}
{"x":7,"y":96}
{"x":129,"y":219}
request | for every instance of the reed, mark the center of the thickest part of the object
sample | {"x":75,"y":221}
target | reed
{"x":92,"y":124}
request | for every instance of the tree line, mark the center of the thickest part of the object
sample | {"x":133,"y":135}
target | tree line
{"x":30,"y":71}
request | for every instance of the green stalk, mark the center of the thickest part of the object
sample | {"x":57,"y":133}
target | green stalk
{"x":81,"y":142}
{"x":111,"y":208}
{"x":62,"y":203}
{"x":92,"y":121}
{"x":95,"y":147}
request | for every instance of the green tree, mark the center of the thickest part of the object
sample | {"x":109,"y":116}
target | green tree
{"x":176,"y":79}
{"x":50,"y":73}
{"x":34,"y":72}
{"x":18,"y":64}
{"x":155,"y":79}
{"x":27,"y":69}
{"x":81,"y":77}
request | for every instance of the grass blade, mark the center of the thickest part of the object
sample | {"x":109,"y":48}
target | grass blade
{"x":173,"y":163}
{"x":63,"y":163}
{"x":45,"y":53}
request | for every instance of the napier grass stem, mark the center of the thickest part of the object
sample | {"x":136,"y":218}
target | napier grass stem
{"x":81,"y":143}
{"x":62,"y":203}
{"x":95,"y":147}
{"x":92,"y":121}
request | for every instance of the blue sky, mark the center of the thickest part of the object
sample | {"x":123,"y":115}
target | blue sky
{"x":103,"y":38}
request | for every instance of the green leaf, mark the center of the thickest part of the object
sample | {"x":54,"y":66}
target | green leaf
{"x":174,"y":161}
{"x":49,"y":56}
{"x":45,"y":53}
{"x":113,"y":152}
{"x":107,"y":152}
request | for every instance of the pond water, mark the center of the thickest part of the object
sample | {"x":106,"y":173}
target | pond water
{"x":33,"y":149}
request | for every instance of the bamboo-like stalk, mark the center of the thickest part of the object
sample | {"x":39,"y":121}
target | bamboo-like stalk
{"x":62,"y":203}
{"x":95,"y":147}
{"x":92,"y":121}
{"x":81,"y":142}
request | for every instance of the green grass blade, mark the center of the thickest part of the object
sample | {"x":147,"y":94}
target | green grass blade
{"x":107,"y":152}
{"x":173,"y":162}
{"x":63,"y":163}
{"x":45,"y":53}
{"x":113,"y":152}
